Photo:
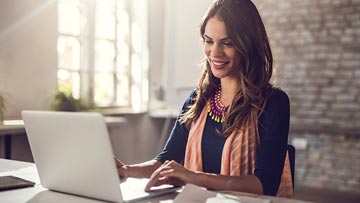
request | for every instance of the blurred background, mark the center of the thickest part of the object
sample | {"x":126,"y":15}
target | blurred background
{"x":139,"y":59}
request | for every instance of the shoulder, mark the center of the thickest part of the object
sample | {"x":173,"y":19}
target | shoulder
{"x":278,"y":98}
{"x":277,"y":106}
{"x":192,"y":97}
{"x":275,"y":118}
{"x":190,"y":100}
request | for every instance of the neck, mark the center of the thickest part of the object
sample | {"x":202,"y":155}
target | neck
{"x":229,"y":88}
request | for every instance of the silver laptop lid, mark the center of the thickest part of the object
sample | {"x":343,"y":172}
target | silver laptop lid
{"x":73,"y":153}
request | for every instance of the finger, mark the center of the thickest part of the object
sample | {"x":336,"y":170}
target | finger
{"x":118,"y":163}
{"x":156,"y":182}
{"x":149,"y":185}
{"x":152,"y":180}
{"x":156,"y":179}
{"x":120,"y":169}
{"x":167,"y":172}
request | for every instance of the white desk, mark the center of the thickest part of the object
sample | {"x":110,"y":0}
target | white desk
{"x":39,"y":194}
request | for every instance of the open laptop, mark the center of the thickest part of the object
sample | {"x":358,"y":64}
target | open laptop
{"x":73,"y":154}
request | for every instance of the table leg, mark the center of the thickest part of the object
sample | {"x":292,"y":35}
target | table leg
{"x":7,"y":140}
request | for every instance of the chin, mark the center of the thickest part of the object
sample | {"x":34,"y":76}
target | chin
{"x":219,"y":74}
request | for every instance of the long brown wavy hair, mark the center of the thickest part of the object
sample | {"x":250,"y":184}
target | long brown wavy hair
{"x":247,"y":32}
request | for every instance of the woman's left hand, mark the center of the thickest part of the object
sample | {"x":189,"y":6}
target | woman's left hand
{"x":170,"y":172}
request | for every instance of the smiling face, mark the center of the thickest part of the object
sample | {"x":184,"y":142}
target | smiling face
{"x":220,"y":51}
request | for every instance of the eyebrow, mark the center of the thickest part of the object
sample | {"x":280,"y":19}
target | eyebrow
{"x":223,"y":39}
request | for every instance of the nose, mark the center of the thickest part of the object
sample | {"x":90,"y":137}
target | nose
{"x":217,"y":50}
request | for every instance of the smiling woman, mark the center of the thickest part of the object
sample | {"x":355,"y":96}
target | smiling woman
{"x":233,"y":129}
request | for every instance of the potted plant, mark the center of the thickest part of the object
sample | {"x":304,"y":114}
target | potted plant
{"x":66,"y":102}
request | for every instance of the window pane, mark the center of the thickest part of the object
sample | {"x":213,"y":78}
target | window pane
{"x":123,"y":57}
{"x":68,"y":53}
{"x":105,"y":19}
{"x":136,"y":68}
{"x":104,"y":89}
{"x":136,"y":98}
{"x":123,"y":25}
{"x":107,"y":5}
{"x":121,"y":4}
{"x":104,"y":55}
{"x":123,"y":90}
{"x":69,"y":18}
{"x":136,"y":37}
{"x":69,"y":82}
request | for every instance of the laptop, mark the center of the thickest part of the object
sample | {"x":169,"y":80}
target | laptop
{"x":73,"y":154}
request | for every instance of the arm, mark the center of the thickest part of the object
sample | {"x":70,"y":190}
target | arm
{"x":248,"y":183}
{"x":173,"y":150}
{"x":273,"y":131}
{"x":143,"y":170}
{"x":172,"y":170}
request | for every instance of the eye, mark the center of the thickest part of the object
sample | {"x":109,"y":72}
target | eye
{"x":208,"y":41}
{"x":228,"y":43}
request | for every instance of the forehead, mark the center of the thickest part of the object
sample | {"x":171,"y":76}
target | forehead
{"x":215,"y":28}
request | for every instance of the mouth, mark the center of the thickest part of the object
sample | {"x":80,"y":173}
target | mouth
{"x":218,"y":64}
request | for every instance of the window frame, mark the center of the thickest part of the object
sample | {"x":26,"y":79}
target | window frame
{"x":87,"y":70}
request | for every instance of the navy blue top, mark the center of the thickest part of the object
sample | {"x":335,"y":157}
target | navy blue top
{"x":273,"y":131}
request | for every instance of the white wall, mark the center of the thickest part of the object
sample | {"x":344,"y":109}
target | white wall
{"x":28,"y":57}
{"x":181,"y":48}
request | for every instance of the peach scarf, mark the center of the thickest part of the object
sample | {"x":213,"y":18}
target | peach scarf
{"x":239,"y":153}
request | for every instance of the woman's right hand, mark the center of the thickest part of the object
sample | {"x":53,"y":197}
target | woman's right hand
{"x":142,"y":170}
{"x":121,"y":168}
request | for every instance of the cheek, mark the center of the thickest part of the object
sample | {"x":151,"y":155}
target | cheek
{"x":236,"y":57}
{"x":206,"y":50}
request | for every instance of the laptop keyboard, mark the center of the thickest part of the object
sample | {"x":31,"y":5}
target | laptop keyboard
{"x":133,"y":188}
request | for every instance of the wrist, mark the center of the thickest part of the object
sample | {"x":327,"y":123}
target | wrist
{"x":194,"y":177}
{"x":126,"y":171}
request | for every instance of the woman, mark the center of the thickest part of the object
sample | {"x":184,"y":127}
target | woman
{"x":233,"y":129}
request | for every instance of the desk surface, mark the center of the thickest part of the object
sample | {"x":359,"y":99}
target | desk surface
{"x":39,"y":194}
{"x":12,"y":127}
{"x":15,"y":127}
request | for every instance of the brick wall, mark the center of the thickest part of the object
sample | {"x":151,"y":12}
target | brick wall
{"x":329,"y":161}
{"x":316,"y":47}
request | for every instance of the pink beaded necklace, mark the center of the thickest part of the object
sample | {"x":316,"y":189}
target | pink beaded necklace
{"x":216,"y":108}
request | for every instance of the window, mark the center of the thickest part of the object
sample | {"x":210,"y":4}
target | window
{"x":102,"y":51}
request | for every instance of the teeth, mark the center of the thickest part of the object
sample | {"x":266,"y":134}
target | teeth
{"x":218,"y":63}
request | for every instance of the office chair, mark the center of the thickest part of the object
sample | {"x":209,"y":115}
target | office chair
{"x":291,"y":151}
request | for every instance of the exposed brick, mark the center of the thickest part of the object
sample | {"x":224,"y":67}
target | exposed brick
{"x":345,"y":98}
{"x":350,"y":64}
{"x":344,"y":107}
{"x":321,"y":106}
{"x":338,"y":115}
{"x":316,"y":45}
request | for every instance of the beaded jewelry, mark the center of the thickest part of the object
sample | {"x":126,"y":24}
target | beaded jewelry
{"x":216,"y":108}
